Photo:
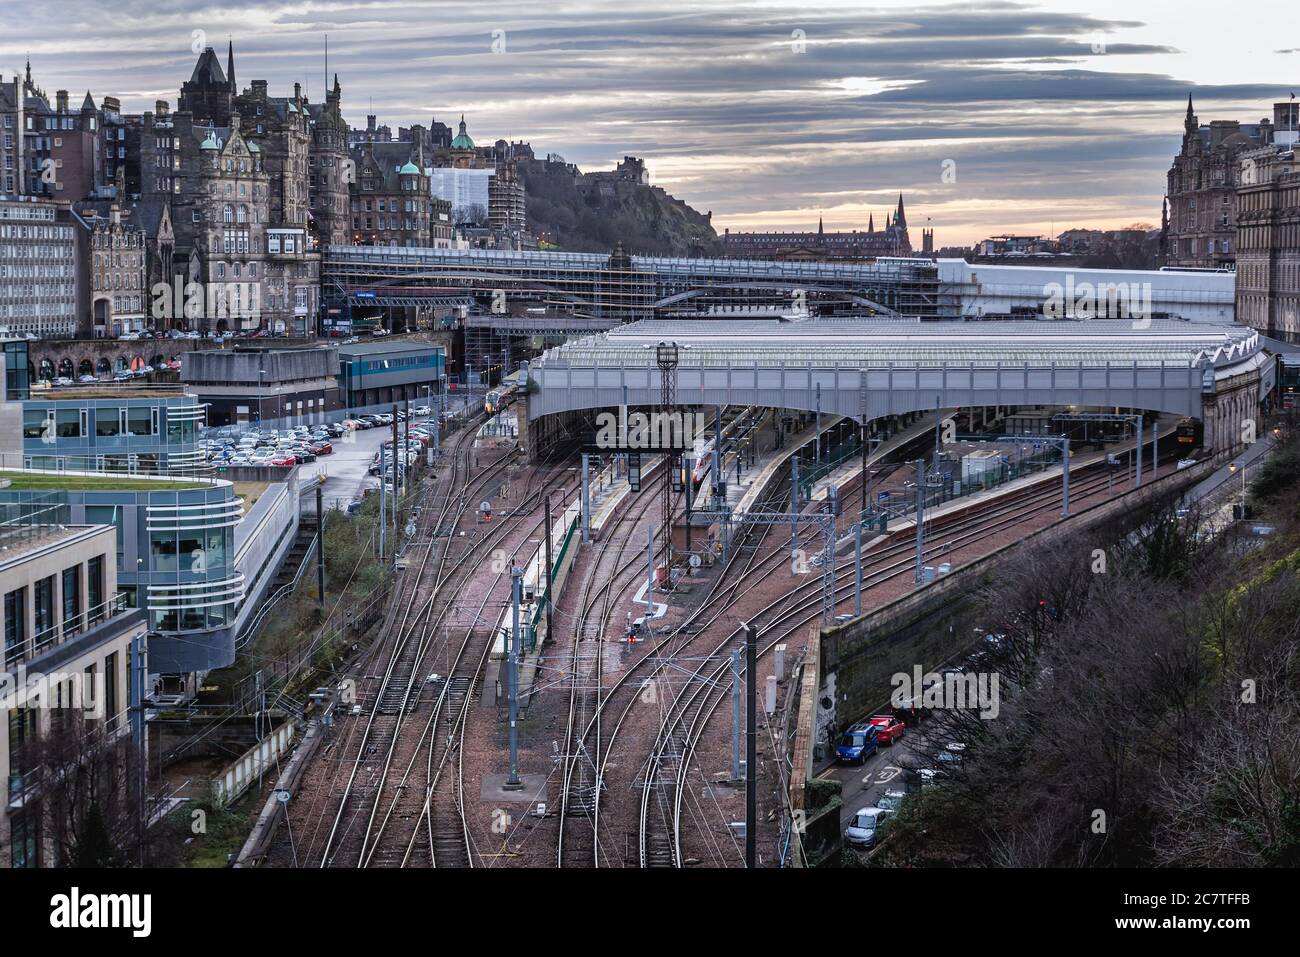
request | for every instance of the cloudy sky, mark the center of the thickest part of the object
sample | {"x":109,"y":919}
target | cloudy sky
{"x":1053,"y":114}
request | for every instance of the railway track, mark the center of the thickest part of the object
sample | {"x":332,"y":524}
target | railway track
{"x":423,"y":821}
{"x":357,"y":831}
{"x":609,"y":573}
{"x":701,"y":696}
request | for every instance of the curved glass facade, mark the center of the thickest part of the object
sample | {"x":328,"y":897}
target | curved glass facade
{"x":191,"y":546}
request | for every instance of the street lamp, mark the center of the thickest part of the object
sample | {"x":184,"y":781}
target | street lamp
{"x":1233,"y":469}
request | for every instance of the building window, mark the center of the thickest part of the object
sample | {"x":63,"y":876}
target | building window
{"x":38,"y":424}
{"x":108,"y":422}
{"x":110,"y":691}
{"x":44,"y":610}
{"x":71,"y":601}
{"x":95,"y":589}
{"x":15,"y":624}
{"x":22,"y":837}
{"x":68,"y":423}
{"x":139,"y":421}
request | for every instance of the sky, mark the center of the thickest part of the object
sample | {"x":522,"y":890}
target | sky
{"x":991,"y":117}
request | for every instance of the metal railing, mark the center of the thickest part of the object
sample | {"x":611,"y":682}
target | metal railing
{"x":42,"y":641}
{"x":32,"y":516}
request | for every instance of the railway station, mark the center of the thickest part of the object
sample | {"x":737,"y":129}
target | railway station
{"x":560,"y":682}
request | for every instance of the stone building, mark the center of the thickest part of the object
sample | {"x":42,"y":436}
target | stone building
{"x":119,"y":295}
{"x":234,"y":171}
{"x":391,"y":202}
{"x":13,"y":154}
{"x":1268,"y":233}
{"x":891,"y":240}
{"x":330,"y":170}
{"x":1202,"y":190}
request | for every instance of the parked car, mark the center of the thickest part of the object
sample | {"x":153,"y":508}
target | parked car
{"x":862,"y":830}
{"x":951,"y":754}
{"x":891,"y":800}
{"x":857,"y":744}
{"x":888,"y":728}
{"x":321,"y":448}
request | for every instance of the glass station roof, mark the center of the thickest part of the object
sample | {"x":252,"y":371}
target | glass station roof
{"x":877,"y":343}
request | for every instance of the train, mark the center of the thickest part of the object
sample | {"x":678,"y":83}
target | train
{"x":1189,"y":432}
{"x":500,"y":397}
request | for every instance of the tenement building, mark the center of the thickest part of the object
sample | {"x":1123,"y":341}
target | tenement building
{"x":1268,"y":233}
{"x":234,"y":170}
{"x":1202,"y":190}
{"x":118,"y":293}
{"x":391,"y":199}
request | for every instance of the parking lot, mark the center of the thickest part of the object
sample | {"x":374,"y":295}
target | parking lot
{"x":345,"y":470}
{"x":345,"y":467}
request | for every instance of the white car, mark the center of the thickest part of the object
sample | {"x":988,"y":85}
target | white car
{"x":861,"y":831}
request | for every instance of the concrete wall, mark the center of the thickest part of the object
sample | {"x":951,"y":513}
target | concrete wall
{"x":224,"y":369}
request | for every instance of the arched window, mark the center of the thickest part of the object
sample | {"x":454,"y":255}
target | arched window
{"x":228,"y":214}
{"x":243,"y":213}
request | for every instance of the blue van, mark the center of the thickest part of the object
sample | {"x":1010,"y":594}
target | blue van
{"x":857,"y":743}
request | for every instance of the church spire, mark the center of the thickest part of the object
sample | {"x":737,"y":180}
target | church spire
{"x":900,"y":218}
{"x":230,"y":66}
{"x":871,"y":222}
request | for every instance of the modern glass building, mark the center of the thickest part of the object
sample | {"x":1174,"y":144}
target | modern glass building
{"x":102,"y":429}
{"x":175,"y":555}
{"x":187,"y":551}
{"x":378,"y":372}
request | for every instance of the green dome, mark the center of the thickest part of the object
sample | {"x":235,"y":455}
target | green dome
{"x":408,"y":169}
{"x":462,"y":140}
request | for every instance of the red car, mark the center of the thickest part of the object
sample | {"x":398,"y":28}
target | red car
{"x":285,"y":461}
{"x":888,"y":728}
{"x":321,"y":448}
